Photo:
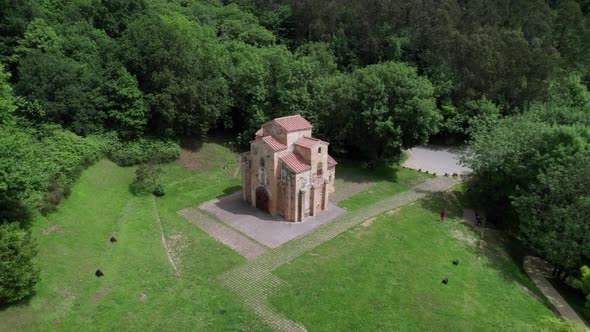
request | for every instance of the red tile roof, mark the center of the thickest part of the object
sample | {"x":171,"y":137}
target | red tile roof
{"x":308,"y":142}
{"x":331,"y":161}
{"x":293,"y":123}
{"x":259,"y":132}
{"x":274,"y":143}
{"x":295,"y":162}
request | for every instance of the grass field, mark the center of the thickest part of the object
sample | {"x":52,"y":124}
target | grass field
{"x":74,"y":243}
{"x":386,"y":275}
{"x":384,"y":182}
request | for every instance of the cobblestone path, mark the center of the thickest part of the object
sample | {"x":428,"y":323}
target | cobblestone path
{"x":254,"y":282}
{"x":242,"y":244}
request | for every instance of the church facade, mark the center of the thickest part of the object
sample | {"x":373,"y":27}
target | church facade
{"x":287,"y":172}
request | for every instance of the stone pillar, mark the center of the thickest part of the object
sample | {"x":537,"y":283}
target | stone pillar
{"x":312,"y":198}
{"x":301,"y":212}
{"x":326,"y":194}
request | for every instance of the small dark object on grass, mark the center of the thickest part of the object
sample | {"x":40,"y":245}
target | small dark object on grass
{"x":222,"y":311}
{"x":99,"y":273}
{"x":445,"y":280}
{"x":456,"y":262}
{"x":112,"y":239}
{"x":446,"y":174}
{"x":419,"y":169}
{"x":224,"y":167}
{"x":455,"y":174}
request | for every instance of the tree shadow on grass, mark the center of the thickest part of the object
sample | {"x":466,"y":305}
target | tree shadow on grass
{"x":502,"y":252}
{"x":230,"y":190}
{"x":19,"y":304}
{"x":357,"y":172}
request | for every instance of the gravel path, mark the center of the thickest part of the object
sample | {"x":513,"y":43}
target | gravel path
{"x":436,"y":159}
{"x":254,"y":282}
{"x":537,"y":269}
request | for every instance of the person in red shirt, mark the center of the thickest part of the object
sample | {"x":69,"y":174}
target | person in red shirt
{"x":443,"y":214}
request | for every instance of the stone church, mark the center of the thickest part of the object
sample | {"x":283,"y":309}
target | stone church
{"x":287,"y":171}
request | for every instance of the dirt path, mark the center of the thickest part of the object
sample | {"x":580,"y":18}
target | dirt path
{"x":254,"y":282}
{"x":537,"y":269}
{"x":164,"y":243}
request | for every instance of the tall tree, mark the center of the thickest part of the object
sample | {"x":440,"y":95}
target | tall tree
{"x":18,"y":273}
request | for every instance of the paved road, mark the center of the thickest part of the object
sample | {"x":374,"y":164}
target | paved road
{"x":436,"y":159}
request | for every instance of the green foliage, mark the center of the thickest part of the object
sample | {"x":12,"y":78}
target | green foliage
{"x":142,"y":150}
{"x":533,"y":178}
{"x":379,"y":109}
{"x":179,"y":65}
{"x":554,"y":211}
{"x":147,"y":180}
{"x":583,"y":283}
{"x":6,"y":100}
{"x":22,"y":180}
{"x":554,"y":324}
{"x":18,"y":272}
{"x":126,"y":108}
{"x":469,"y":116}
{"x":37,"y":167}
{"x":64,"y":156}
{"x":568,"y":103}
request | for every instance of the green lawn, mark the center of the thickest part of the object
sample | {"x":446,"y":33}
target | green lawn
{"x":387,"y":181}
{"x":69,"y":296}
{"x":387,"y":277}
{"x":382,"y":277}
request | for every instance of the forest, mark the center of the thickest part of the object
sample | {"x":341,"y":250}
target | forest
{"x":127,"y":79}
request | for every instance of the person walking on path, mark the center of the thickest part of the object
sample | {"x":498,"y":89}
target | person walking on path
{"x":443,"y":214}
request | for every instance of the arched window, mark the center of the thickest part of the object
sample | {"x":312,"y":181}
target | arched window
{"x":261,"y":162}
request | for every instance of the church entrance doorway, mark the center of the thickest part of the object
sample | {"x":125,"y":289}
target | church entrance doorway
{"x":262,"y":199}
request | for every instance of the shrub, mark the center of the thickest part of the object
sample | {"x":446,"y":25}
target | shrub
{"x":555,"y":324}
{"x":65,"y":155}
{"x":143,"y":150}
{"x":18,"y":273}
{"x":159,"y":191}
{"x":583,"y":284}
{"x":147,"y":180}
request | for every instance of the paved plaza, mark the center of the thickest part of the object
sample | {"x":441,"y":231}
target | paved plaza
{"x":261,"y":226}
{"x":437,"y":159}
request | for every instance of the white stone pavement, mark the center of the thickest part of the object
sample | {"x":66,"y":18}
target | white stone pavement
{"x":436,"y":159}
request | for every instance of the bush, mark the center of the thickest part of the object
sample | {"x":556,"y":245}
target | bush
{"x":555,"y":324}
{"x":159,"y":191}
{"x":583,"y":283}
{"x":147,"y":180}
{"x":65,"y":155}
{"x":18,"y":273}
{"x":143,"y":150}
